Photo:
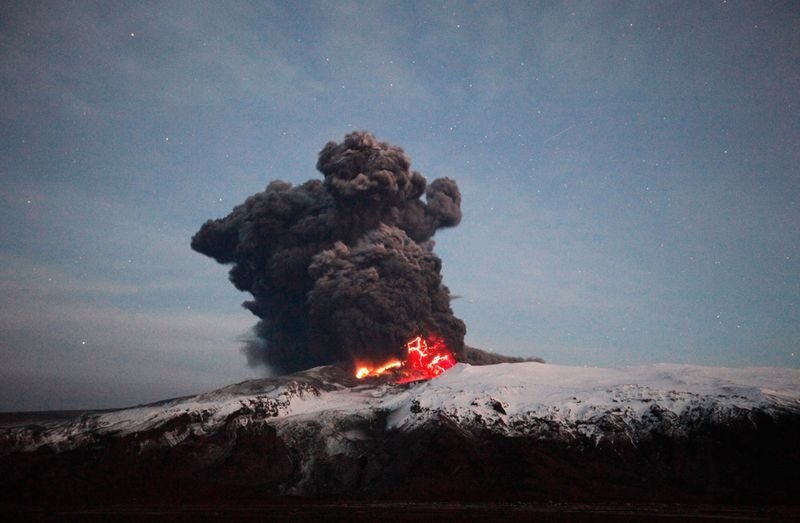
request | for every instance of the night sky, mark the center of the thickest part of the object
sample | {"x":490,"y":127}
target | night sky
{"x":630,"y":175}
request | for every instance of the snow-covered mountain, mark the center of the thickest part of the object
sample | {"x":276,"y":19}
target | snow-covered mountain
{"x":514,"y":431}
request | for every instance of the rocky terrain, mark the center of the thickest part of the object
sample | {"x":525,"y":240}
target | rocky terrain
{"x":524,"y":432}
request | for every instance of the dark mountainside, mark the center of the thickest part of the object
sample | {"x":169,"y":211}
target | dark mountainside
{"x":322,"y":435}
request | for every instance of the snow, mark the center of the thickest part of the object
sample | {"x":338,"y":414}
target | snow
{"x":515,"y":399}
{"x":581,"y":394}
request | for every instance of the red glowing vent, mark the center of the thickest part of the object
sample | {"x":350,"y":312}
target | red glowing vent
{"x":426,"y":358}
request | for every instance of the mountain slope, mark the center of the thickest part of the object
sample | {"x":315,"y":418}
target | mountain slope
{"x":509,"y":431}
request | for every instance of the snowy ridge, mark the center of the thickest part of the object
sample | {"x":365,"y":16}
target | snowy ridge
{"x":537,"y":399}
{"x":520,"y":399}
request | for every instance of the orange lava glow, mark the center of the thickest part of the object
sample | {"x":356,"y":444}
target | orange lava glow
{"x":426,"y":358}
{"x":365,"y":371}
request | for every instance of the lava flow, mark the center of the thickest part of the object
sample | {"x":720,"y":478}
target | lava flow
{"x":426,"y":358}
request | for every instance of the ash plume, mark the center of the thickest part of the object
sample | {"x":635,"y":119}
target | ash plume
{"x":341,"y":268}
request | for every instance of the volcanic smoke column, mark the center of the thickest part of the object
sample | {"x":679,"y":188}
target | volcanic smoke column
{"x":341,"y":269}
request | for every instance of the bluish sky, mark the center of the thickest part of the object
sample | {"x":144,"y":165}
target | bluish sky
{"x":629,"y":174}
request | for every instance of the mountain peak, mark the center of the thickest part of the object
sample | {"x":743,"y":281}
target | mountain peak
{"x":507,"y":428}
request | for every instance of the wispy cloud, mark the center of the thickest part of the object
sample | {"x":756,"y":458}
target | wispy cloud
{"x":187,"y":55}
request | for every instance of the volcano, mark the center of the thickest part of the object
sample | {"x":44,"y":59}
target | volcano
{"x":425,"y":358}
{"x":524,"y":432}
{"x":344,"y":268}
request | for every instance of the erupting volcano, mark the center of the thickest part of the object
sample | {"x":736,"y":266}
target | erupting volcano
{"x":425,"y":358}
{"x":343,"y":269}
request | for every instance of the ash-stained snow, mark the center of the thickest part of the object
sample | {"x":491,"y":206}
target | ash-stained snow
{"x":520,"y":399}
{"x":525,"y":399}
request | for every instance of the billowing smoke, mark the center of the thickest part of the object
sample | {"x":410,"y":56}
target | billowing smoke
{"x":341,"y":269}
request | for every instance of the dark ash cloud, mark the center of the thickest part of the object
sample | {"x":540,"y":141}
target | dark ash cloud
{"x":341,"y":268}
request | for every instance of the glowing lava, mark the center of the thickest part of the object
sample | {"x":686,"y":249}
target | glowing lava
{"x":365,"y":372}
{"x":426,"y":358}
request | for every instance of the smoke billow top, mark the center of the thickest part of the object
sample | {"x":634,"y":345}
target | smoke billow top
{"x":342,"y":268}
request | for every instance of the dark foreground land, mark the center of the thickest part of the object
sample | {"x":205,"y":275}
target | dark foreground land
{"x":728,"y":464}
{"x":738,"y":475}
{"x":311,"y":511}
